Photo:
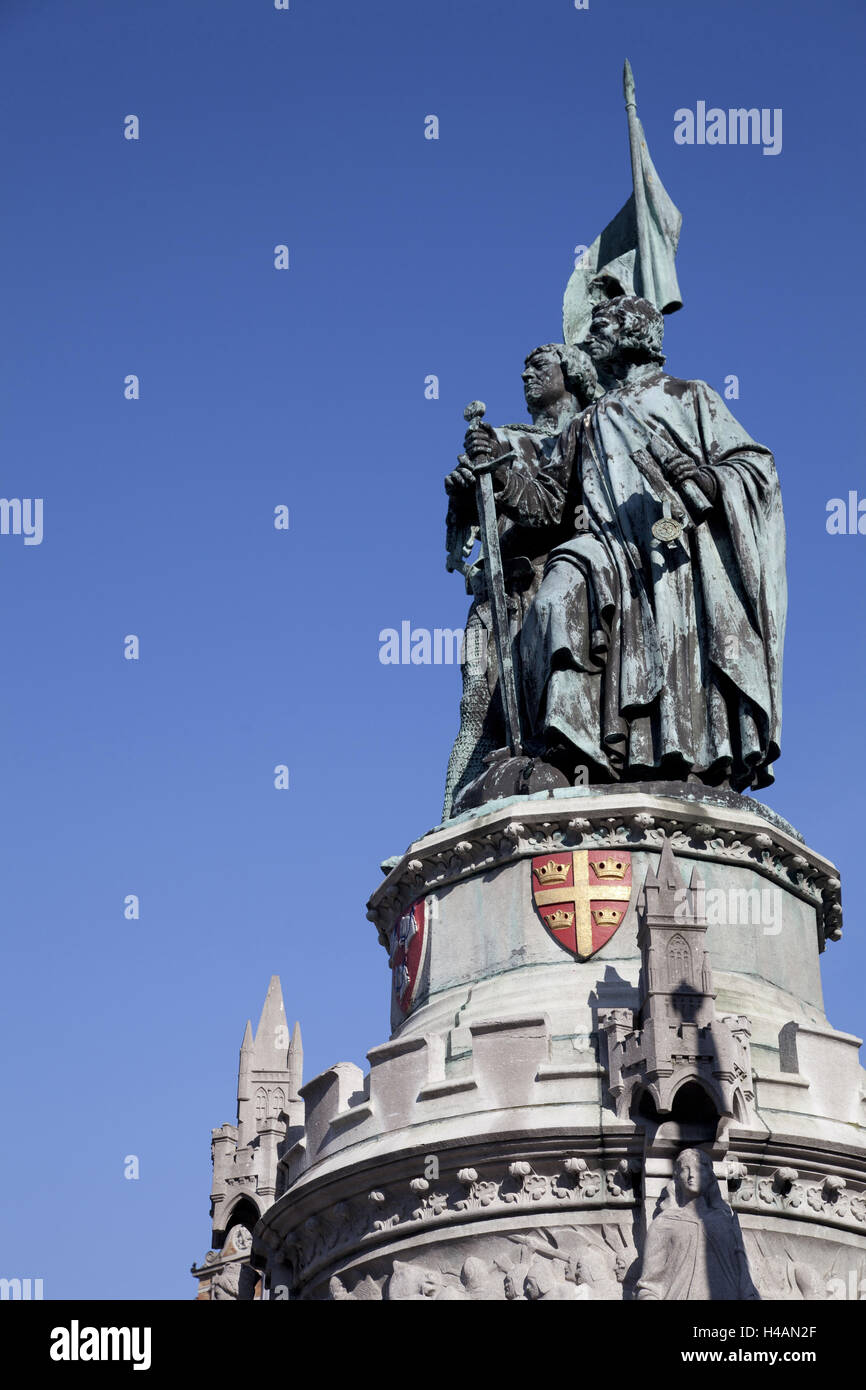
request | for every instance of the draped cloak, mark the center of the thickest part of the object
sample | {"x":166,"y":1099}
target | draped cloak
{"x":695,"y":1253}
{"x":651,"y":658}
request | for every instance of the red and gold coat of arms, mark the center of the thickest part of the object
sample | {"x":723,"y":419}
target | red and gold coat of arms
{"x":582,"y":896}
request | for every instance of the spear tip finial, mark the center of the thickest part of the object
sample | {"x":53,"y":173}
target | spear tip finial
{"x":628,"y":84}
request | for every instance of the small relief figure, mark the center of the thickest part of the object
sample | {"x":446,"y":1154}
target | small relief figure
{"x":481,"y":1285}
{"x":594,"y":1271}
{"x":225,"y":1283}
{"x":411,"y":1283}
{"x":779,"y":1273}
{"x":512,"y":1286}
{"x":406,"y":929}
{"x":546,"y":1282}
{"x":366,"y":1290}
{"x":694,"y":1249}
{"x":239,"y":1239}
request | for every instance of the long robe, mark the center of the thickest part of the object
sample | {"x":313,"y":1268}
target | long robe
{"x":695,"y":1253}
{"x":651,"y":659}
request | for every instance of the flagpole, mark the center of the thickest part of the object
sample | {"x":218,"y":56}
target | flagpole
{"x":644,"y":266}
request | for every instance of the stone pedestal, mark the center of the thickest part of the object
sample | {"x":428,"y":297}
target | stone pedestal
{"x":489,"y":1153}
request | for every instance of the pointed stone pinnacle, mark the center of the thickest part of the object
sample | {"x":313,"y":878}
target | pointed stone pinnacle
{"x":296,"y":1061}
{"x":668,"y":876}
{"x":271,"y":1033}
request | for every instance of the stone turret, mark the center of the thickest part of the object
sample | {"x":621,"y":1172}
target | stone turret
{"x":246,"y":1155}
{"x":680,"y":1042}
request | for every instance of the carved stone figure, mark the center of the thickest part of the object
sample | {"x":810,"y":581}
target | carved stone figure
{"x":694,"y":1249}
{"x":482,"y":1284}
{"x":225,"y":1284}
{"x":512,"y":1287}
{"x":595,"y":1274}
{"x":548,"y":1283}
{"x":413,"y":1283}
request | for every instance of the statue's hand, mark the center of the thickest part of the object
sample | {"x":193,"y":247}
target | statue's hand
{"x":461,"y":479}
{"x":680,"y":469}
{"x":481,"y":443}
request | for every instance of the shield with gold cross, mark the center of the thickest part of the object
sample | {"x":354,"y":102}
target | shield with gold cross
{"x":582,"y":896}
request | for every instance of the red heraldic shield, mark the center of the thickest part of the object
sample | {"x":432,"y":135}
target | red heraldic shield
{"x":408,"y":944}
{"x":582,"y":896}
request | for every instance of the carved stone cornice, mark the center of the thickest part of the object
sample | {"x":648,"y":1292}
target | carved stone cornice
{"x":828,"y":1198}
{"x":333,"y":1232}
{"x":702,"y":829}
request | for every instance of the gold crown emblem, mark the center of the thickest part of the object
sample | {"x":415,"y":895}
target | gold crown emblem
{"x":608,"y":868}
{"x":607,"y":916}
{"x":551,"y":872}
{"x":560,"y":918}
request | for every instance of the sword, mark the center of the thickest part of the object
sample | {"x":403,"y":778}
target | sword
{"x":483,"y":468}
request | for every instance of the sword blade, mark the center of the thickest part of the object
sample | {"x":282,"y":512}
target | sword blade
{"x":499,"y":607}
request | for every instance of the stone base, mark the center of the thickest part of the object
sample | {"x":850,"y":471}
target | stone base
{"x":484,"y":1147}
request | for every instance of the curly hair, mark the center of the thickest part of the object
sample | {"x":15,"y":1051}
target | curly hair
{"x":642,"y":327}
{"x":578,"y":369}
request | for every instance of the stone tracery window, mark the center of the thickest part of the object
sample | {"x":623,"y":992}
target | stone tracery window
{"x":679,"y":960}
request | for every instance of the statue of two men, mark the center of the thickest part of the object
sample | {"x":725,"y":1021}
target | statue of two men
{"x":649,"y":646}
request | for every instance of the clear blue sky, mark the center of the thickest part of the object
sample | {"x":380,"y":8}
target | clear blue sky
{"x":306,"y":387}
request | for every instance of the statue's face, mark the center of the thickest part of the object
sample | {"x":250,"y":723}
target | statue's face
{"x":604,"y":334}
{"x":691,"y":1176}
{"x":510,"y":1289}
{"x":543,"y":382}
{"x":530,"y":1288}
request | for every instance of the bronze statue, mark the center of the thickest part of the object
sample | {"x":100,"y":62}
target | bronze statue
{"x":634,"y":552}
{"x":652,"y":649}
{"x":558,"y":383}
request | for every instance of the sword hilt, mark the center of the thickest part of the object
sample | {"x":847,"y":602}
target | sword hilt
{"x":474,"y":414}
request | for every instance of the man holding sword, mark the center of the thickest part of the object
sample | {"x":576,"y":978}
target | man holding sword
{"x":652,"y":647}
{"x":557,"y":383}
